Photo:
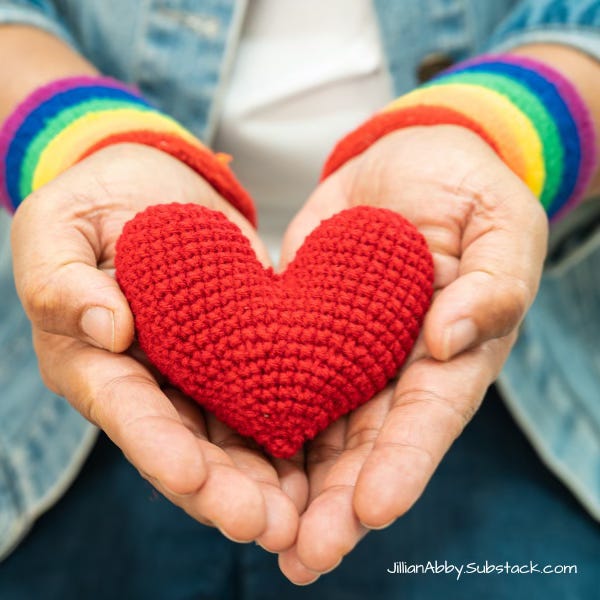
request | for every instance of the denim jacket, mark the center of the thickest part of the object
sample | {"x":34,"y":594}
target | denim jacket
{"x":179,"y":53}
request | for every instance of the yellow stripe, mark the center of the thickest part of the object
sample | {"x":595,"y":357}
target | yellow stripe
{"x":512,"y":129}
{"x":65,"y":149}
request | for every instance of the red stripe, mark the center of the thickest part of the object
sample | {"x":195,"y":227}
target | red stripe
{"x":376,"y":127}
{"x":204,"y":162}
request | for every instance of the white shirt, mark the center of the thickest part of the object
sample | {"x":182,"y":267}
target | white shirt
{"x":306,"y":73}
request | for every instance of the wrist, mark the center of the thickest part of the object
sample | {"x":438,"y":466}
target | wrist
{"x":132,"y":171}
{"x":430,"y":163}
{"x":584,"y":73}
{"x":530,"y":115}
{"x":65,"y":121}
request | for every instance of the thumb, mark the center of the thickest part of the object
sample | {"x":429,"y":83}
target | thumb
{"x":499,"y":272}
{"x":57,"y":279}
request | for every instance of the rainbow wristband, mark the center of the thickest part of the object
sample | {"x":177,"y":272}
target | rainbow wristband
{"x":61,"y":123}
{"x":529,"y":113}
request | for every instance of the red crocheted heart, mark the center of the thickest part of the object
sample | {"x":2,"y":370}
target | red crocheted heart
{"x":277,"y":357}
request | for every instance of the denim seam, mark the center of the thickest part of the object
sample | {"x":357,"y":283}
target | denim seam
{"x":560,"y":468}
{"x":13,"y":499}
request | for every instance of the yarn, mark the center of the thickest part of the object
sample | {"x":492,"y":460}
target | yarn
{"x":277,"y":357}
{"x":529,"y":113}
{"x":60,"y":123}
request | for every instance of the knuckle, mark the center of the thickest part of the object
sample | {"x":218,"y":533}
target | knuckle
{"x":77,"y":386}
{"x":514,"y":304}
{"x":421,"y":456}
{"x":48,"y":349}
{"x":28,"y":204}
{"x":23,"y":220}
{"x":454,"y":415}
{"x":538,"y":220}
{"x":47,"y":377}
{"x":505,"y":310}
{"x":365,"y":436}
{"x":322,"y":452}
{"x":232,"y":441}
{"x":49,"y":301}
{"x":101,"y":403}
{"x":40,"y":301}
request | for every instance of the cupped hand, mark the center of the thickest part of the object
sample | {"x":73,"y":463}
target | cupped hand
{"x":487,"y":234}
{"x":63,"y":240}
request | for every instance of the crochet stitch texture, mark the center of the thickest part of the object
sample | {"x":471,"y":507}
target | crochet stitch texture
{"x":277,"y":357}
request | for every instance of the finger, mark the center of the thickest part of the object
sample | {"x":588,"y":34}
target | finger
{"x":329,"y":529}
{"x":57,"y":278}
{"x":119,"y":395}
{"x":141,"y":357}
{"x":432,"y":404}
{"x":293,"y":480}
{"x":282,"y":516}
{"x":213,"y":504}
{"x":192,"y":417}
{"x":190,"y":412}
{"x":62,"y":232}
{"x":504,"y":245}
{"x":229,"y":499}
{"x":294,"y":569}
{"x":322,"y":453}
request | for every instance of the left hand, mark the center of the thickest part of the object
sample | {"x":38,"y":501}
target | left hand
{"x":63,"y":238}
{"x":487,"y":234}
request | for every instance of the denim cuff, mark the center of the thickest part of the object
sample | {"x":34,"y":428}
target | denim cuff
{"x":585,"y":39}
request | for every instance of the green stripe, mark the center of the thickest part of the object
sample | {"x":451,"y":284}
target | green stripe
{"x":55,"y":125}
{"x":536,"y":112}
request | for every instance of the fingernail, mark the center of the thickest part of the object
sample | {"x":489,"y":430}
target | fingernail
{"x":231,"y":538}
{"x":265,"y":549}
{"x":98,"y":323}
{"x":459,"y":337}
{"x":337,"y":564}
{"x":302,"y":584}
{"x":378,"y":527}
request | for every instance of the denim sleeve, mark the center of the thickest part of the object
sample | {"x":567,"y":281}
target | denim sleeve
{"x":573,"y":23}
{"x":37,"y":13}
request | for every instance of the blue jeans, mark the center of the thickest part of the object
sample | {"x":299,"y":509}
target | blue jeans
{"x":112,"y":536}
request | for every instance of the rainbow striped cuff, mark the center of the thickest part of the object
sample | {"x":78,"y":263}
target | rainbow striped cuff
{"x":530,"y":114}
{"x":61,"y":123}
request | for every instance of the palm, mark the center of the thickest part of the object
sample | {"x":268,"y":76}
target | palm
{"x":368,"y":468}
{"x":193,"y":459}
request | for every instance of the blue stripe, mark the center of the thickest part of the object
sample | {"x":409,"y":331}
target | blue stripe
{"x":553,"y":101}
{"x":39,"y":118}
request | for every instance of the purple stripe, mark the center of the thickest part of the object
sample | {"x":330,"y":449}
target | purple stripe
{"x":37,"y":97}
{"x":579,"y":111}
{"x":585,"y":125}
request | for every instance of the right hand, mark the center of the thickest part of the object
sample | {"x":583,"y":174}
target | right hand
{"x":63,"y":239}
